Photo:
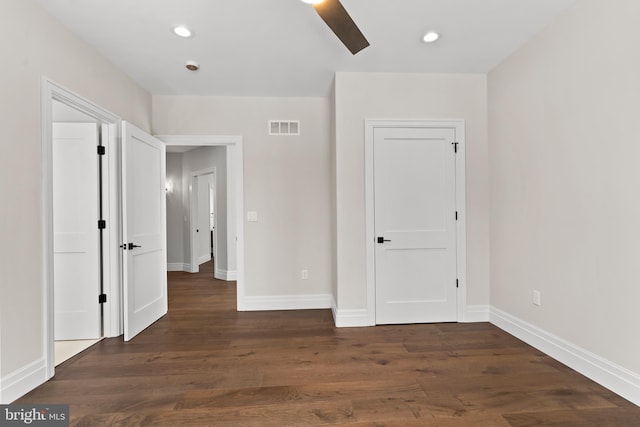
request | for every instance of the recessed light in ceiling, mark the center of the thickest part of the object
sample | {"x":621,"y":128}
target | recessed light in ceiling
{"x":192,"y":66}
{"x":431,"y":37}
{"x":312,"y":1}
{"x":182,"y":31}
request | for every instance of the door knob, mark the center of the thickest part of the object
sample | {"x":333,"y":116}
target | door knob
{"x":382,"y":240}
{"x":131,"y":246}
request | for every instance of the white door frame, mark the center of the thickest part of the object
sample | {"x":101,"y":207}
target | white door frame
{"x":461,"y":241}
{"x":112,"y":325}
{"x":234,"y":156}
{"x":193,"y":215}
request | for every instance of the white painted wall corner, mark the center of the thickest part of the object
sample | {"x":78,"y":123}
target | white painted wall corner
{"x":350,"y":318}
{"x":227,"y":275}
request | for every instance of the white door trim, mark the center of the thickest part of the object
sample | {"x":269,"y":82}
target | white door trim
{"x":112,"y":325}
{"x":461,"y":241}
{"x":193,"y":215}
{"x":234,"y":157}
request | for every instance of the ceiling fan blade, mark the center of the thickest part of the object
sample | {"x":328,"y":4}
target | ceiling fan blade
{"x":337,"y":18}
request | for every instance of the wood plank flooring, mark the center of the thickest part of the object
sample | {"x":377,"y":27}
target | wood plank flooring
{"x":204,"y":364}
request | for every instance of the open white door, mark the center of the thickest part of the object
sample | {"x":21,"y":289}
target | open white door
{"x":76,"y":242}
{"x":144,"y":230}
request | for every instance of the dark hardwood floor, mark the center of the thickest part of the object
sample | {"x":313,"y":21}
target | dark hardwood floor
{"x":204,"y":364}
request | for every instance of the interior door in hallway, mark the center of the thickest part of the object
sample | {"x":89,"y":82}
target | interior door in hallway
{"x":76,"y":242}
{"x":144,"y":230}
{"x":415,"y":254}
{"x":203,"y":231}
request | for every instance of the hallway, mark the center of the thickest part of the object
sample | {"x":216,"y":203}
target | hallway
{"x":206,"y":364}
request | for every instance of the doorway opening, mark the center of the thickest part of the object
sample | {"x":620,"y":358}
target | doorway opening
{"x":197,"y":214}
{"x":229,"y":204}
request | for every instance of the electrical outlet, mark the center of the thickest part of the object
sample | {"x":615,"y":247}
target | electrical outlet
{"x":536,"y":297}
{"x":304,"y":274}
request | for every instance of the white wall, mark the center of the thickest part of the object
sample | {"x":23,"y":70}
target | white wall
{"x":175,"y":214}
{"x":197,"y":160}
{"x":38,"y":46}
{"x":286,"y":180}
{"x":360,"y":96}
{"x":564,"y":180}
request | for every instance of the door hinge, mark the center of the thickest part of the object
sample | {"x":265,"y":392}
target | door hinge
{"x":101,"y":150}
{"x":102,"y":298}
{"x":455,"y":146}
{"x":457,"y":283}
{"x":456,"y":215}
{"x":102,"y":224}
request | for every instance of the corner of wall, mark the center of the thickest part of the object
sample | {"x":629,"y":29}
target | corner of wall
{"x":350,"y":318}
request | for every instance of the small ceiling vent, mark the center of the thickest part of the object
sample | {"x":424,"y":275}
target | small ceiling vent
{"x":284,"y":127}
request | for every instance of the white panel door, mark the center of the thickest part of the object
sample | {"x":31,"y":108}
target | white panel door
{"x":203,"y":229}
{"x":144,"y":230}
{"x":415,"y":255}
{"x":76,"y":238}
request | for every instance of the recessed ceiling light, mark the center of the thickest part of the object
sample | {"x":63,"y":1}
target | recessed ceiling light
{"x":192,"y":66}
{"x":182,"y":31}
{"x":431,"y":37}
{"x":312,"y":1}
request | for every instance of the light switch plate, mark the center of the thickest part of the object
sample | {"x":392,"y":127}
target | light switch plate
{"x":536,"y":298}
{"x":252,"y":216}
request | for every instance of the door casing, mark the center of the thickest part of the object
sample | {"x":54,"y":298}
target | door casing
{"x":112,"y":314}
{"x":459,"y":126}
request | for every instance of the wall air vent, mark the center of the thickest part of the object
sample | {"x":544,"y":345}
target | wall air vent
{"x":284,"y":127}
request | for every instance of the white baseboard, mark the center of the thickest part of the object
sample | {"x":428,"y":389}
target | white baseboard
{"x":228,"y":275}
{"x":361,"y":318}
{"x":286,"y":302}
{"x":476,"y":314}
{"x":178,"y":266}
{"x":23,"y":380}
{"x":606,"y":373}
{"x":358,"y":318}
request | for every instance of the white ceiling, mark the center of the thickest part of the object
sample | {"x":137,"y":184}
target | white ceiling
{"x":283,"y":48}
